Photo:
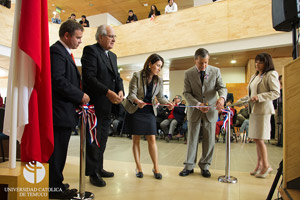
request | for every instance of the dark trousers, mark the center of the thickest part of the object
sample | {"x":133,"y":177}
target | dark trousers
{"x":94,"y":154}
{"x":57,"y":160}
{"x":272,"y":127}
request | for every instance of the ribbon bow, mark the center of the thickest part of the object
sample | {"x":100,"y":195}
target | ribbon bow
{"x":227,"y":111}
{"x":89,"y":117}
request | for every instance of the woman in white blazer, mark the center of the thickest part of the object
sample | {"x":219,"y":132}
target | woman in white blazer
{"x":263,"y":89}
{"x":141,"y":117}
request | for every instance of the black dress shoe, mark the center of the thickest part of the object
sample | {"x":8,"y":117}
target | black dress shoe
{"x":205,"y":173}
{"x":105,"y":174}
{"x":139,"y":174}
{"x":65,"y":194}
{"x":97,"y":180}
{"x":157,"y":175}
{"x":186,"y":172}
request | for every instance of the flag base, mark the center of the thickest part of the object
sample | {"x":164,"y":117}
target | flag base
{"x":17,"y":181}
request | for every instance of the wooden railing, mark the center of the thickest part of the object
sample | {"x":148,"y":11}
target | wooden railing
{"x":212,"y":23}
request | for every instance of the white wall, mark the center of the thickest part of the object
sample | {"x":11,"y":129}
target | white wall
{"x":176,"y":83}
{"x":126,"y":87}
{"x":3,"y":87}
{"x":233,"y":75}
{"x":229,"y":75}
{"x":201,"y":2}
{"x":105,"y":18}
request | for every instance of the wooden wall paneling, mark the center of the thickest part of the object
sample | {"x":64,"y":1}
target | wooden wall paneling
{"x":117,"y":8}
{"x":279,"y":64}
{"x":211,"y":23}
{"x":6,"y":26}
{"x":291,"y":125}
{"x":239,"y":90}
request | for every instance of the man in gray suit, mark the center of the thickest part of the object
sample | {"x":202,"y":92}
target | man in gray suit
{"x":201,"y":85}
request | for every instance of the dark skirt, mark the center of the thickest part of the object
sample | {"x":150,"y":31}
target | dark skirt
{"x":142,"y":122}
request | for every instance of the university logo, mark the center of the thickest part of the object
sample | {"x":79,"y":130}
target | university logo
{"x":34,"y":172}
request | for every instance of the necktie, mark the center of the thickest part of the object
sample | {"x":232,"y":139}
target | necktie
{"x":202,"y":73}
{"x":73,"y":57}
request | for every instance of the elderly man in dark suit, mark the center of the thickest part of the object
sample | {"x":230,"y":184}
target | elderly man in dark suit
{"x":102,"y":82}
{"x":66,"y":96}
{"x":202,"y":82}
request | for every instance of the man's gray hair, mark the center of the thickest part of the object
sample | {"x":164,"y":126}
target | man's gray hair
{"x":201,"y":52}
{"x":101,"y":30}
{"x":179,"y":97}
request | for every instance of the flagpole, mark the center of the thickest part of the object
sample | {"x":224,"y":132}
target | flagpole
{"x":14,"y":94}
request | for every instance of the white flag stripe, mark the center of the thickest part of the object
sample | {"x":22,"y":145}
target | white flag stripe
{"x":26,"y":78}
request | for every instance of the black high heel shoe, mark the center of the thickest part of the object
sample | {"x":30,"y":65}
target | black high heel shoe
{"x":139,"y":174}
{"x":157,"y":175}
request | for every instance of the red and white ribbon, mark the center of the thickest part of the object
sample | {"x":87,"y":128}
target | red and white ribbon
{"x":90,"y":120}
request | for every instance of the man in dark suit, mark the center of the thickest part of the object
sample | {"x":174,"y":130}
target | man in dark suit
{"x":102,"y":82}
{"x":66,"y":96}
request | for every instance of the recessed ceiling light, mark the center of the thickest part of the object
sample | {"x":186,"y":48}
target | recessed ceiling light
{"x":214,"y":58}
{"x":145,"y":4}
{"x":233,"y":61}
{"x":63,"y":11}
{"x":53,"y":4}
{"x":127,"y":76}
{"x":217,"y":63}
{"x":91,"y":4}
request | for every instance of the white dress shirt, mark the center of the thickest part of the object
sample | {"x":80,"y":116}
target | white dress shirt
{"x":170,"y":9}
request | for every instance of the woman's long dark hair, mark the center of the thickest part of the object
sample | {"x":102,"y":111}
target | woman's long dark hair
{"x":151,"y":11}
{"x":267,"y":60}
{"x":152,"y":59}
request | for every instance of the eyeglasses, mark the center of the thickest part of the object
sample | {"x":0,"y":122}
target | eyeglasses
{"x":111,"y":36}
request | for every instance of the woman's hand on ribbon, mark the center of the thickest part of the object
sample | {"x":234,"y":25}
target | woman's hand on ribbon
{"x":140,"y":103}
{"x":113,"y":97}
{"x":85,"y":99}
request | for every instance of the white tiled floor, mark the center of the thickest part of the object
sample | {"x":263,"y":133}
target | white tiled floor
{"x":118,"y":158}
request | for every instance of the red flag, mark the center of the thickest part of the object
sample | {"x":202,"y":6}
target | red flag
{"x":34,"y":83}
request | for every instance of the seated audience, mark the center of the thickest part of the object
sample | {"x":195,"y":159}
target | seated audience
{"x":230,"y":97}
{"x":244,"y":128}
{"x":242,"y":115}
{"x":118,"y":119}
{"x":84,"y":22}
{"x":219,"y":124}
{"x":56,"y":19}
{"x":73,"y":17}
{"x":1,"y":101}
{"x":171,"y":7}
{"x":153,"y":12}
{"x":162,"y":114}
{"x":131,"y":17}
{"x":183,"y":130}
{"x":176,"y":116}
